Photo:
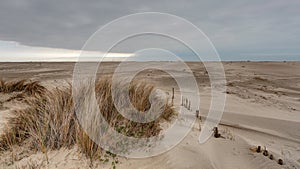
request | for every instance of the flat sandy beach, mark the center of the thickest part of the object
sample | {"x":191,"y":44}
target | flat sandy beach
{"x":262,"y":108}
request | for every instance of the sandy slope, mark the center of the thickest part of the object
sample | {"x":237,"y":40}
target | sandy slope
{"x":262,"y":108}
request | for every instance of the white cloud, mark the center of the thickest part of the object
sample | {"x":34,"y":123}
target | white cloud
{"x":15,"y":52}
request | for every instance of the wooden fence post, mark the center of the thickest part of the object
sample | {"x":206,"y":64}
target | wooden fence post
{"x":216,"y":133}
{"x":258,"y":150}
{"x":197,"y":113}
{"x":173,"y":96}
{"x":186,"y":103}
{"x":280,"y":161}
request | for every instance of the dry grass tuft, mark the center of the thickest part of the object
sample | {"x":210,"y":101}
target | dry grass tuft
{"x":28,"y":87}
{"x":139,"y":93}
{"x":51,"y":123}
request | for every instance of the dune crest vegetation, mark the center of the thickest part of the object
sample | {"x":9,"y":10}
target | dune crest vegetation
{"x":50,"y":122}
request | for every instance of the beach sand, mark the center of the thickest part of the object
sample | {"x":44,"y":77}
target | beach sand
{"x":262,"y":108}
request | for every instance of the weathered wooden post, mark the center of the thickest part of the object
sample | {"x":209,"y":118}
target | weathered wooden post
{"x":280,"y":161}
{"x":197,"y":113}
{"x":186,"y":103}
{"x":216,"y":133}
{"x":271,"y":157}
{"x":173,"y":90}
{"x":189,"y":105}
{"x":258,"y":150}
{"x":265,"y":153}
{"x":181,"y":100}
{"x":197,"y":117}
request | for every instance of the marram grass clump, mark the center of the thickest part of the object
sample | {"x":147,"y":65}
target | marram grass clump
{"x":50,"y":122}
{"x":25,"y":86}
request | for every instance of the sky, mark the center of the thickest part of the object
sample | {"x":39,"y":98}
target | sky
{"x":239,"y":30}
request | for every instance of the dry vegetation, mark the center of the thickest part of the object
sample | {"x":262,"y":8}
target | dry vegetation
{"x":28,"y":87}
{"x":50,"y":121}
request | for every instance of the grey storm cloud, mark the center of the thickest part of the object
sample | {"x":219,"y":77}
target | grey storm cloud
{"x":235,"y":27}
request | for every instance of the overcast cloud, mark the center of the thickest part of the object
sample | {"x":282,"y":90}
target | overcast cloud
{"x":238,"y":29}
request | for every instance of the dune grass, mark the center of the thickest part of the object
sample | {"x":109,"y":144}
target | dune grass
{"x":28,"y":87}
{"x":50,"y":121}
